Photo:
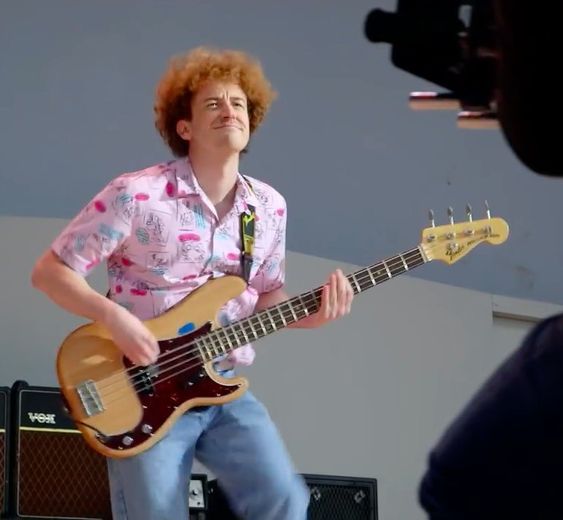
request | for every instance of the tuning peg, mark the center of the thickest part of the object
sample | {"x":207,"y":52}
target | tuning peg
{"x":431,"y":218}
{"x":432,"y":236}
{"x":468,"y":212}
{"x":488,"y":210}
{"x":433,"y":101}
{"x":451,"y":214}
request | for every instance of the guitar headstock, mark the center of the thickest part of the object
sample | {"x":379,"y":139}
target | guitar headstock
{"x":452,"y":241}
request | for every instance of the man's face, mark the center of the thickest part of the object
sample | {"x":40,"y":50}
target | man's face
{"x":219,"y":119}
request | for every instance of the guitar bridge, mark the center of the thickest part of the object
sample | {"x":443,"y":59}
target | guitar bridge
{"x":89,"y":398}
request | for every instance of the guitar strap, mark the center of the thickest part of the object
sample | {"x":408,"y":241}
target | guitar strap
{"x":247,"y":223}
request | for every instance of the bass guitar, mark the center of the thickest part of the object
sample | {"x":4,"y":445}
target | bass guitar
{"x":122,"y":410}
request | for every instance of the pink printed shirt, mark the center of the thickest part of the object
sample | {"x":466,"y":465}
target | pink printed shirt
{"x":161,"y":238}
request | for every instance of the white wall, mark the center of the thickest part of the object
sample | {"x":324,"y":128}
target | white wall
{"x":367,"y":396}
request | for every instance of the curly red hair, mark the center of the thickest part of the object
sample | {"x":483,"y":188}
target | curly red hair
{"x":186,"y":74}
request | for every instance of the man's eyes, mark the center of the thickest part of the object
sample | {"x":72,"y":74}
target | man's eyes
{"x":215,"y":104}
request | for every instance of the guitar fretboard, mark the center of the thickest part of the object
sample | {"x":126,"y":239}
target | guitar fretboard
{"x":224,"y":340}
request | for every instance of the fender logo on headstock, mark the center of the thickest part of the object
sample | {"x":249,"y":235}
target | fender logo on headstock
{"x":454,"y":250}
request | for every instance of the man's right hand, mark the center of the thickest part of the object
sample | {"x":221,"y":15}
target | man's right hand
{"x":132,"y":337}
{"x":70,"y":291}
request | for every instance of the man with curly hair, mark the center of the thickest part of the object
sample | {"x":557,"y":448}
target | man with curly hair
{"x":164,"y":231}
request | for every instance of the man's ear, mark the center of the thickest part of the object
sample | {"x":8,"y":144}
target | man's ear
{"x":184,"y":129}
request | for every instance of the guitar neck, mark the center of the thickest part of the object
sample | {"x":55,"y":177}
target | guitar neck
{"x":226,"y":339}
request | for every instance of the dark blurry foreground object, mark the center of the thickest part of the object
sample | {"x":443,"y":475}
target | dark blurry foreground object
{"x":497,"y":59}
{"x":502,"y":457}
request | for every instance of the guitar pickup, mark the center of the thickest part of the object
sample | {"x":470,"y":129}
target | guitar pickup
{"x":143,"y":379}
{"x":194,"y":378}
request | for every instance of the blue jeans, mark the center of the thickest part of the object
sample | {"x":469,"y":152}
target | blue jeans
{"x":238,"y":442}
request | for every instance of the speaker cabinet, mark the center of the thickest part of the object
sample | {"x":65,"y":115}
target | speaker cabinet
{"x":218,"y":507}
{"x":332,"y":498}
{"x":55,"y":473}
{"x":342,"y":498}
{"x":4,"y":448}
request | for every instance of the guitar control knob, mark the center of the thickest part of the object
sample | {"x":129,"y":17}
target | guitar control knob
{"x":146,"y":428}
{"x":127,"y":440}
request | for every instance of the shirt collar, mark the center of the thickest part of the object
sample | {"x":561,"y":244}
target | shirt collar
{"x":188,"y":185}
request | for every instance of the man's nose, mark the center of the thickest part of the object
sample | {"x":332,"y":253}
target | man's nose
{"x":228,"y":111}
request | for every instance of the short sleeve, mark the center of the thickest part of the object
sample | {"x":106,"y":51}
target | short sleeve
{"x":98,"y":229}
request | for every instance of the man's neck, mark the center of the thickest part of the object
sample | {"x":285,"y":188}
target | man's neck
{"x":217,"y":175}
